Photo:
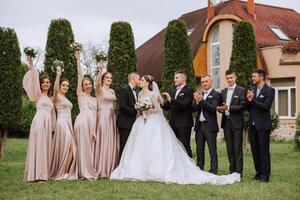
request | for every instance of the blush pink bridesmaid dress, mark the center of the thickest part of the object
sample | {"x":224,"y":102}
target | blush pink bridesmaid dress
{"x":107,"y":142}
{"x":85,"y":126}
{"x":39,"y":145}
{"x":64,"y":158}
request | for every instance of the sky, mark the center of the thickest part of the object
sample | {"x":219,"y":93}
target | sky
{"x":91,"y":19}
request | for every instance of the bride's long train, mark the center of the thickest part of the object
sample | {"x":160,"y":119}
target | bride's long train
{"x":153,"y":153}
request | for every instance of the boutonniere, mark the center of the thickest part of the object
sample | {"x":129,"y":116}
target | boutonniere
{"x":181,"y":94}
{"x":235,"y":97}
{"x":261,"y":96}
{"x":210,"y":97}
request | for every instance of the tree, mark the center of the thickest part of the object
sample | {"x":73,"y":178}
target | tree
{"x":11,"y":84}
{"x":243,"y":57}
{"x":243,"y":60}
{"x":88,"y":60}
{"x":121,"y":53}
{"x":60,"y":37}
{"x":177,"y":54}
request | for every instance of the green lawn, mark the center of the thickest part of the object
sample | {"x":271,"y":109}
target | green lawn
{"x":284,"y":183}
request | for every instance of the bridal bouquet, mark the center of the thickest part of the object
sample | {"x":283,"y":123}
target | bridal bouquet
{"x":57,"y":63}
{"x":101,"y":56}
{"x":30,"y":52}
{"x":143,"y":105}
{"x":76,"y":46}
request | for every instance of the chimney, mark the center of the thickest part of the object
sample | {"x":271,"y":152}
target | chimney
{"x":210,"y":11}
{"x":251,"y":7}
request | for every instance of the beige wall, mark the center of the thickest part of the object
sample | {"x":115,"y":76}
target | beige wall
{"x":272,"y":56}
{"x":226,"y":33}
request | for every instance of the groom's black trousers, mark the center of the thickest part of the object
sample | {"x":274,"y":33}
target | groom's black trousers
{"x":204,"y":134}
{"x":184,"y":136}
{"x":124,"y":134}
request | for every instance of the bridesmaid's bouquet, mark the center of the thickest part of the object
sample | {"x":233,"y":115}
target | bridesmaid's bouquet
{"x":101,"y":56}
{"x":57,"y":63}
{"x":30,"y":52}
{"x":76,"y":46}
{"x":143,"y":105}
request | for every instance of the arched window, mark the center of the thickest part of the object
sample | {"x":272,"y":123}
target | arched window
{"x":215,"y":58}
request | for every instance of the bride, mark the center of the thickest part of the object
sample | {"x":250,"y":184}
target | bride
{"x":153,"y":153}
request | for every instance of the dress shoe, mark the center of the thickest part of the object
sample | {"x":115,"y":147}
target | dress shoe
{"x":264,"y":180}
{"x":256,"y":177}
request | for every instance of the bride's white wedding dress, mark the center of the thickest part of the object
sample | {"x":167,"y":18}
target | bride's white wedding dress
{"x":153,"y":153}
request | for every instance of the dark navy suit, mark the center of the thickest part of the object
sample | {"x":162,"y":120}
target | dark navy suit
{"x":260,"y":125}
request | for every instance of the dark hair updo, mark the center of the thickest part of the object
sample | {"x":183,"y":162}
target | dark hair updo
{"x":149,"y":80}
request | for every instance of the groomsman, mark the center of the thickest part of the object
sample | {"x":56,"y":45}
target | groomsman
{"x":127,"y":112}
{"x":206,"y":125}
{"x":259,"y":102}
{"x":179,"y":101}
{"x":233,"y":99}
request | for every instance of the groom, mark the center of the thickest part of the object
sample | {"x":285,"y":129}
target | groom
{"x":179,"y":101}
{"x":127,"y":112}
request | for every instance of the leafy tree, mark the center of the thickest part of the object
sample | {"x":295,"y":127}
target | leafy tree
{"x":243,"y":57}
{"x":121,"y":53}
{"x":177,"y":54}
{"x":11,"y":84}
{"x":244,"y":61}
{"x":60,"y":37}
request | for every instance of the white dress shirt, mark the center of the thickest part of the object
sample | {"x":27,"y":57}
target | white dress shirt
{"x":230,"y":91}
{"x":206,"y":93}
{"x":178,"y":89}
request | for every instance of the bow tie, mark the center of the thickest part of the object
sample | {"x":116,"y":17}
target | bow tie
{"x":134,"y":89}
{"x":230,"y":88}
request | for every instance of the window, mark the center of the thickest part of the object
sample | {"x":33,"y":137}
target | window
{"x":278,"y":32}
{"x":285,"y":97}
{"x":215,"y":58}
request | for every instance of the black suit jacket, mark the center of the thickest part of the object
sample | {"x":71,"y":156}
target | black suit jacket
{"x":181,"y":108}
{"x":236,"y":108}
{"x":127,"y":112}
{"x":259,"y":108}
{"x":208,"y":106}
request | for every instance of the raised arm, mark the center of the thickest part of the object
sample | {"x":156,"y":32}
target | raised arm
{"x":56,"y":83}
{"x":79,"y":74}
{"x":98,"y":79}
{"x":31,"y":83}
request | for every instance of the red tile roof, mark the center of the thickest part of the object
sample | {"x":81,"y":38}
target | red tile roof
{"x":150,"y":54}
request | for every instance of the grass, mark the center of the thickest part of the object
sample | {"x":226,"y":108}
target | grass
{"x":284,"y":183}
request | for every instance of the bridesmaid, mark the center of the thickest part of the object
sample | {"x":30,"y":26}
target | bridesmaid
{"x":64,"y":163}
{"x":39,"y":145}
{"x":85,"y":125}
{"x":106,"y":152}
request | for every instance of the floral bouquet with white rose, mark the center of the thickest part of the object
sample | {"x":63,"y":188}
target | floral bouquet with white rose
{"x":76,"y":46}
{"x":101,"y":56}
{"x":57,"y":63}
{"x":144,"y":105}
{"x":30,"y":52}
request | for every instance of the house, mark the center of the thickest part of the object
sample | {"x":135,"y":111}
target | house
{"x":210,"y":29}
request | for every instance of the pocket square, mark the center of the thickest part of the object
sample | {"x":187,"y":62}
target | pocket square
{"x":210,"y":97}
{"x":181,"y":94}
{"x":236,"y":97}
{"x":261,"y":96}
